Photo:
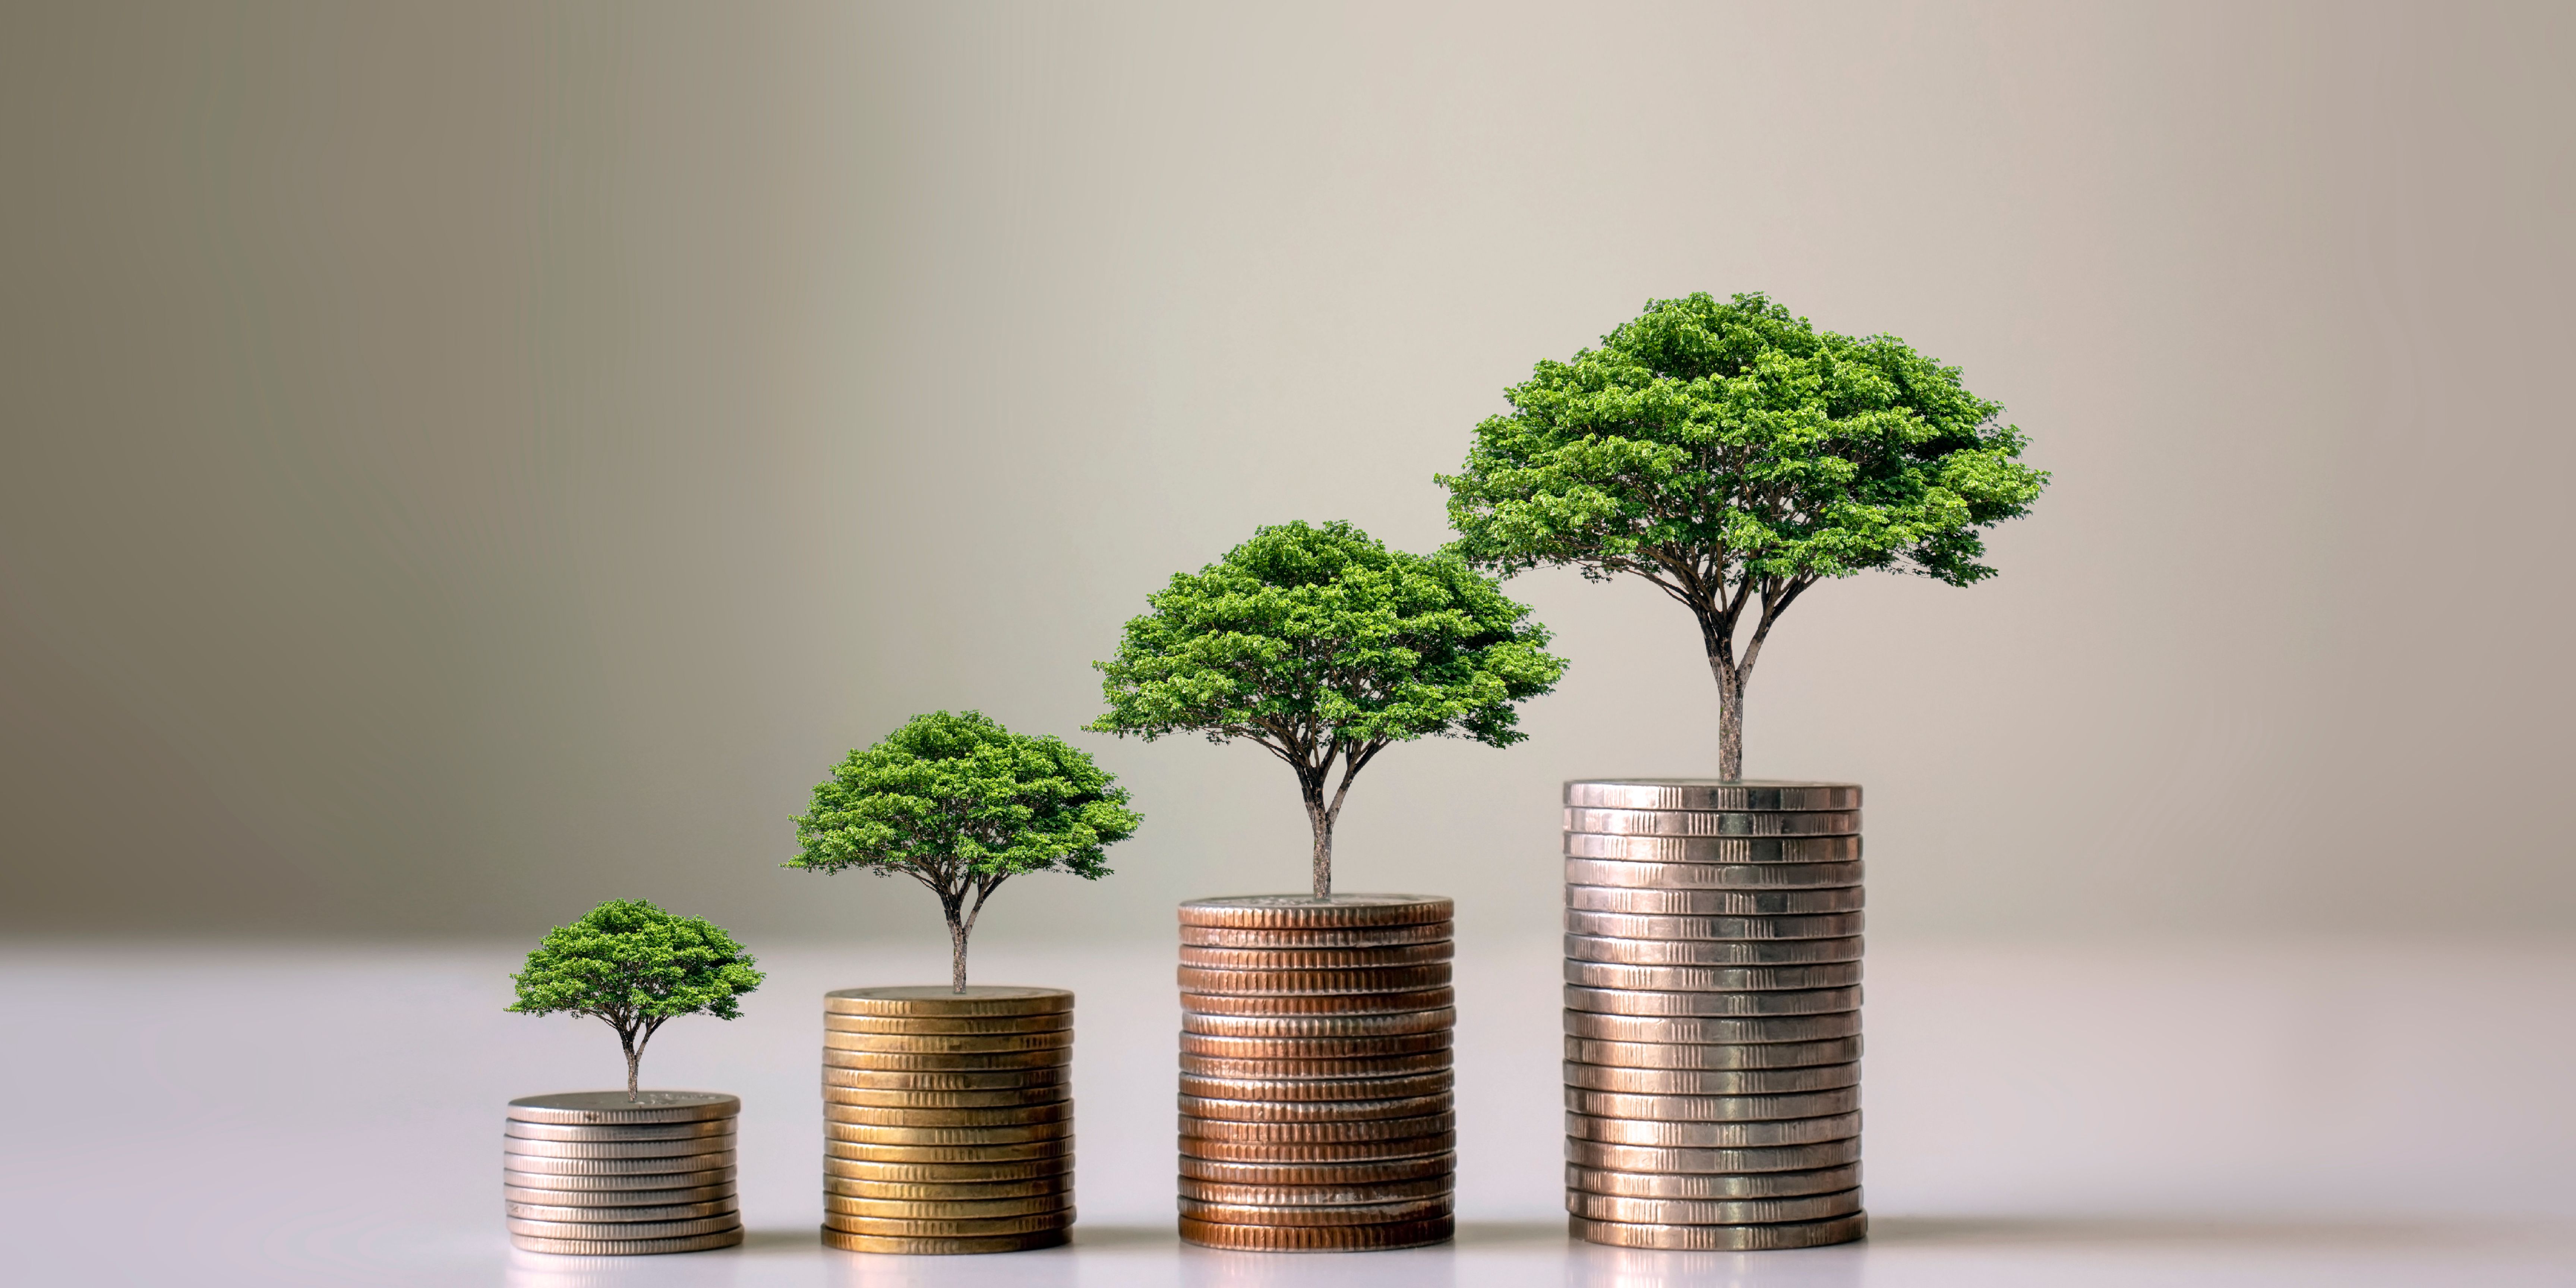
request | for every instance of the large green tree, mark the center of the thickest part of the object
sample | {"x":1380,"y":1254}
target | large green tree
{"x":1324,"y":647}
{"x":961,"y":805}
{"x":1733,"y":455}
{"x":635,"y":967}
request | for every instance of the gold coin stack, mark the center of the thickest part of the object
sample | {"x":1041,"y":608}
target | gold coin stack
{"x":947,"y":1119}
{"x":1712,"y":1013}
{"x":1316,"y":1103}
{"x":600,"y":1173}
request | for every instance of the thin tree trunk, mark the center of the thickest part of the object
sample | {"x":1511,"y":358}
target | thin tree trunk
{"x":634,"y":1059}
{"x":956,"y":952}
{"x":1323,"y":858}
{"x":1730,"y":720}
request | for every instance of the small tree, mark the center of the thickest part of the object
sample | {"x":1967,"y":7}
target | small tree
{"x":1732,"y":455}
{"x":634,"y":966}
{"x":961,"y":805}
{"x":1324,"y":647}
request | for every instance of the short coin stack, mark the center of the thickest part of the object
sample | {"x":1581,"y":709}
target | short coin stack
{"x":947,"y":1119}
{"x":602,"y":1174}
{"x":1316,"y":1104}
{"x":1712,"y":1013}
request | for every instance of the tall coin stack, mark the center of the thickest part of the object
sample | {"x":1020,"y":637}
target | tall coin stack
{"x":947,"y":1119}
{"x":1712,"y":1013}
{"x":602,"y":1174}
{"x":1316,"y":1110}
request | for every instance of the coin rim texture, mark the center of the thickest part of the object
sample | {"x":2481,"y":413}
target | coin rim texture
{"x":1319,"y":1070}
{"x":1329,"y":1238}
{"x":668,"y":1165}
{"x":941,"y":1000}
{"x":1229,"y":982}
{"x":1009,"y":1152}
{"x":1348,"y":1131}
{"x":1210,"y":1046}
{"x":580,"y":1213}
{"x":1807,"y":901}
{"x":1032,"y":1077}
{"x":624,"y":1229}
{"x":1702,"y":795}
{"x":1300,"y":1215}
{"x":947,"y":1062}
{"x":1712,"y":1030}
{"x":947,"y":1025}
{"x":1390,"y":957}
{"x":1791,"y":1080}
{"x":1712,"y":1135}
{"x":1626,"y":874}
{"x":948,"y":1228}
{"x":1607,"y":1053}
{"x":947,"y":1043}
{"x":997,"y":1098}
{"x":1722,"y":1238}
{"x":1711,"y":954}
{"x":1712,"y":979}
{"x":684,"y":1147}
{"x":1045,"y":1204}
{"x":842,"y":1241}
{"x":611,"y":1199}
{"x":938,"y":1173}
{"x":1746,"y":1005}
{"x":1318,"y":1153}
{"x":569,"y":1132}
{"x":1320,"y":1113}
{"x":1700,"y":1159}
{"x":932,"y":1191}
{"x":625,"y":1182}
{"x":1639,"y":925}
{"x":627,"y":1247}
{"x":596,"y":1108}
{"x":949,"y":1115}
{"x":1759,"y":1107}
{"x":1712,"y":849}
{"x":1372,"y":1172}
{"x":1358,"y":1194}
{"x":1302,"y":1004}
{"x":1305,"y":911}
{"x":1719,"y":823}
{"x":1433,"y":1019}
{"x":1394,"y":1086}
{"x":1629,"y":1210}
{"x":838,"y":1133}
{"x":1303,"y":938}
{"x":1712,"y":1185}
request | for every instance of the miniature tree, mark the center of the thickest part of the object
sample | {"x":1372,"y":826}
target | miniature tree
{"x":635,"y":967}
{"x":1733,"y":455}
{"x":1324,"y":647}
{"x":961,"y":805}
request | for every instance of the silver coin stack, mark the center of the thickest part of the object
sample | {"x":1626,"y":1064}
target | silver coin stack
{"x":1712,"y":1013}
{"x":597,"y":1173}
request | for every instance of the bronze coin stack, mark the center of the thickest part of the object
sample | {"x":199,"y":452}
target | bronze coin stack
{"x":600,"y":1173}
{"x":1712,"y":1013}
{"x":1316,"y":1103}
{"x":947,"y":1119}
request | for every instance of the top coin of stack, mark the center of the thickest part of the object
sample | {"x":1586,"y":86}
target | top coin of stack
{"x":1712,"y":1022}
{"x":602,"y":1173}
{"x":947,"y":1119}
{"x":1316,"y":1110}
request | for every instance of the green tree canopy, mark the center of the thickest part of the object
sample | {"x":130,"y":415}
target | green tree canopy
{"x":1733,"y":455}
{"x":961,"y":804}
{"x":1325,"y":647}
{"x":635,"y":966}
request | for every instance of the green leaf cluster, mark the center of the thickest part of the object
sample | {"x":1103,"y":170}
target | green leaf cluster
{"x":1706,"y":443}
{"x":961,"y":793}
{"x":1307,"y":637}
{"x":627,"y":961}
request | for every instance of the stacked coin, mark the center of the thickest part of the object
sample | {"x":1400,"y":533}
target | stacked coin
{"x":947,"y":1119}
{"x":1316,"y":1111}
{"x":605,"y":1174}
{"x":1712,"y":1013}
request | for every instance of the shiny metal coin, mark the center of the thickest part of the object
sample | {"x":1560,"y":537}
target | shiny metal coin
{"x":1665,"y":822}
{"x":1037,"y":1076}
{"x":1002,"y":1152}
{"x":1323,"y":1238}
{"x":1241,"y":983}
{"x":1301,"y":912}
{"x":599,"y":1108}
{"x":1711,"y":952}
{"x":1712,"y":1055}
{"x":616,"y":1148}
{"x":1621,"y":1001}
{"x":1712,"y":1029}
{"x":919,"y":1191}
{"x":875,"y":1134}
{"x":948,"y":1173}
{"x":937,"y":1228}
{"x":1721,"y":1238}
{"x":1713,"y":849}
{"x":1318,"y":1153}
{"x":1804,"y":1207}
{"x":616,"y":1183}
{"x":1396,"y":1046}
{"x":1438,"y":1019}
{"x":1710,"y":1082}
{"x":952,"y":1025}
{"x":940,"y":1000}
{"x":659,"y":1212}
{"x":960,"y":1062}
{"x":1697,"y":1160}
{"x":1338,"y":1131}
{"x":531,"y":1165}
{"x":624,"y":1229}
{"x":947,"y":1209}
{"x":617,"y":1198}
{"x":1705,"y":1185}
{"x":1308,"y":937}
{"x":1711,"y":876}
{"x":620,"y":1132}
{"x":1314,"y":1111}
{"x":1429,"y":1187}
{"x":847,"y":1242}
{"x":1290,"y":1215}
{"x":627,"y":1247}
{"x":1707,"y":1135}
{"x":1625,"y":925}
{"x":1711,"y":979}
{"x":1712,"y":1109}
{"x":1288,"y":1175}
{"x":1703,"y":794}
{"x":1003,"y":1098}
{"x":1319,"y":1090}
{"x":1394,"y":956}
{"x":947,"y":1043}
{"x":971,"y":1119}
{"x":1320,"y":1003}
{"x":1381,"y":1066}
{"x":1715,"y":903}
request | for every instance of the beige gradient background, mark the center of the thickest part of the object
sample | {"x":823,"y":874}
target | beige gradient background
{"x":461,"y":462}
